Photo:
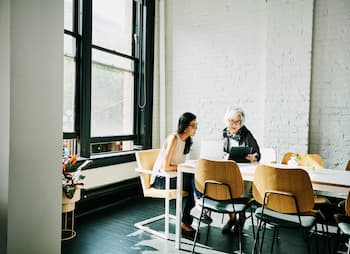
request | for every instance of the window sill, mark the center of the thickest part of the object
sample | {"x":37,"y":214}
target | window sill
{"x":102,"y":160}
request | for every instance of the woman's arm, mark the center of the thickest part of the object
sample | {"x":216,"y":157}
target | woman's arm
{"x":167,"y":166}
{"x":255,"y":155}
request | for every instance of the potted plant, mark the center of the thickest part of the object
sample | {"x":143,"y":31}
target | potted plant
{"x":72,"y":181}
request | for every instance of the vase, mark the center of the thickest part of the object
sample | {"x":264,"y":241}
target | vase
{"x":68,"y":204}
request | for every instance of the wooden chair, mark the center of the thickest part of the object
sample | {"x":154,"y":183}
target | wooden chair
{"x":343,"y":221}
{"x":309,"y":160}
{"x":222,"y":186}
{"x":287,"y":200}
{"x":268,"y":155}
{"x":145,"y":161}
{"x":306,"y":160}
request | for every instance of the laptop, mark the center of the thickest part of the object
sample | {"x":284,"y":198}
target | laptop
{"x":238,"y":154}
{"x":212,"y":149}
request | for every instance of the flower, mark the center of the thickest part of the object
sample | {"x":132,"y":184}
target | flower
{"x":72,"y":175}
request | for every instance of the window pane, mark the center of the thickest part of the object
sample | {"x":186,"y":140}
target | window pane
{"x":114,"y":146}
{"x":112,"y":24}
{"x":68,"y":15}
{"x":112,"y":95}
{"x":69,"y":84}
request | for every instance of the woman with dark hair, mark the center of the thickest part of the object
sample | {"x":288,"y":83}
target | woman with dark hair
{"x":172,"y":153}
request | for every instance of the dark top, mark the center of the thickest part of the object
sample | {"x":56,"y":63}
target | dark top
{"x":244,"y":138}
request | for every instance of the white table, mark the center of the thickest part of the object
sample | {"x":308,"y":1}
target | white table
{"x":328,"y":182}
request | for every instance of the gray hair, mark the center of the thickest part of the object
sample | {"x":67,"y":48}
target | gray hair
{"x":232,"y":111}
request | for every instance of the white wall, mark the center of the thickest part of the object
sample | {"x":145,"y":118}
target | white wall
{"x":98,"y":177}
{"x":330,"y":99}
{"x":31,"y":83}
{"x":288,"y":77}
{"x":270,"y":58}
{"x":214,"y":59}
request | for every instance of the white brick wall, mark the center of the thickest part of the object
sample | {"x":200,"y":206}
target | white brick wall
{"x":287,"y":90}
{"x":259,"y":55}
{"x":213,"y":60}
{"x":330,"y":104}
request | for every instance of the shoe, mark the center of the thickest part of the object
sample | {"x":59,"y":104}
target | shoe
{"x":227,"y":227}
{"x":206,"y":218}
{"x":239,"y":223}
{"x":189,"y":234}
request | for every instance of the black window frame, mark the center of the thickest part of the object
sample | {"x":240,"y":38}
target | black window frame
{"x":142,"y":55}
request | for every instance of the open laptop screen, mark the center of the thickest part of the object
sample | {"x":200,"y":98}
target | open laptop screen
{"x":238,"y":154}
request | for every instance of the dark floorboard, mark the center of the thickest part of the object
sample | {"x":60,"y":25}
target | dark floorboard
{"x":112,"y":231}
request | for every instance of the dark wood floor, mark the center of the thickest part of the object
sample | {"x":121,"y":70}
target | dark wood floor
{"x":112,"y":230}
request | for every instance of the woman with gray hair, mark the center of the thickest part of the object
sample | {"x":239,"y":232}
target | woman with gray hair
{"x":236,"y":134}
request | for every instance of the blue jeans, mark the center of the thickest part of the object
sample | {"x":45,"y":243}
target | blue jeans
{"x":188,"y":183}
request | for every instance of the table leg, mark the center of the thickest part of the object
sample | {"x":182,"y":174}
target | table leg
{"x":178,"y":208}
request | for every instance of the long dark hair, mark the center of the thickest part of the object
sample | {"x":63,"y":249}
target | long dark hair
{"x":184,"y":121}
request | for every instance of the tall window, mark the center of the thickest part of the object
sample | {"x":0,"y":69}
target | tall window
{"x":108,"y":55}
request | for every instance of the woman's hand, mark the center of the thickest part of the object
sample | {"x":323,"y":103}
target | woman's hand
{"x":226,"y":155}
{"x":251,"y":157}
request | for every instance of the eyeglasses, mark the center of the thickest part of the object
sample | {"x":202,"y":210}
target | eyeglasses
{"x":233,"y":122}
{"x":194,"y":126}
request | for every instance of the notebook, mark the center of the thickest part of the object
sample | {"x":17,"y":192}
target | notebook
{"x":238,"y":154}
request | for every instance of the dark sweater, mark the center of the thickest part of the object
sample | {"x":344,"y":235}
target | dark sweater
{"x":246,"y":139}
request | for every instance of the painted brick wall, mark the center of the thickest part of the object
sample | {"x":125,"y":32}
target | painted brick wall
{"x":288,"y":63}
{"x":214,"y":59}
{"x":290,"y":75}
{"x":330,"y":103}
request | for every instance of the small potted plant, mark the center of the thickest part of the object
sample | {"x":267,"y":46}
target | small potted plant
{"x":72,"y":181}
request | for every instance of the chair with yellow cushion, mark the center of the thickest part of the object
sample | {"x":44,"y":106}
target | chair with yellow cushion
{"x":145,"y":161}
{"x":287,"y":200}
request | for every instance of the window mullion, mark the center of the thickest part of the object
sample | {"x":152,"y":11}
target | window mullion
{"x":85,"y":88}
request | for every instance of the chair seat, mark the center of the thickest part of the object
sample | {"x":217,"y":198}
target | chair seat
{"x":285,"y":220}
{"x":343,"y":222}
{"x":344,"y":227}
{"x":224,"y":206}
{"x":160,"y":193}
{"x":321,"y":201}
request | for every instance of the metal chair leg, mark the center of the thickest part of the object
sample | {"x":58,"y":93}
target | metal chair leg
{"x":254,"y":250}
{"x":273,"y":238}
{"x":262,"y":238}
{"x":253,"y":227}
{"x":197,"y":232}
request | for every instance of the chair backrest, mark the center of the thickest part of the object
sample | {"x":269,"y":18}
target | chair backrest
{"x":348,"y":166}
{"x":268,"y":155}
{"x":286,"y":157}
{"x":306,"y":160}
{"x":295,"y":181}
{"x":347,"y":204}
{"x":222,"y":171}
{"x":145,"y":160}
{"x":212,"y":149}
